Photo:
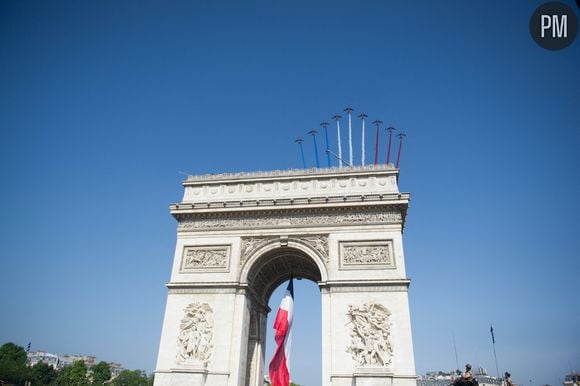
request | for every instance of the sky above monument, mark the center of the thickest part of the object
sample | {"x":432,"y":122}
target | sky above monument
{"x":105,"y":105}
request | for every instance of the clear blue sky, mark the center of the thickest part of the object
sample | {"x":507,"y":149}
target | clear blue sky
{"x":103,"y":103}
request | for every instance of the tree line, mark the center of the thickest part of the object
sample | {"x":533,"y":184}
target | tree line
{"x":14,"y":370}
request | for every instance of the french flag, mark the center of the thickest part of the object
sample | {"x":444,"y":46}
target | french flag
{"x":280,"y":364}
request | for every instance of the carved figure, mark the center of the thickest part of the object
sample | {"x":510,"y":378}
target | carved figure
{"x":196,"y":334}
{"x":370,"y":335}
{"x":320,"y":243}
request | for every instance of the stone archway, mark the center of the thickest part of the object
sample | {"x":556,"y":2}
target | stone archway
{"x":240,"y":236}
{"x":271,"y":262}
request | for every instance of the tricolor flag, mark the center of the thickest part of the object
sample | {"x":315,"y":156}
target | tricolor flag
{"x":280,"y":364}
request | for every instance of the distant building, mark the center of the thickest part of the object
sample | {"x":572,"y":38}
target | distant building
{"x":60,"y":361}
{"x":116,"y":369}
{"x":436,"y":378}
{"x":68,"y":360}
{"x":43,"y":356}
{"x":440,"y":378}
{"x":484,"y":379}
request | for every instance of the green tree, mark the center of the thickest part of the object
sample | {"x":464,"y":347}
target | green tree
{"x":78,"y":374}
{"x":13,"y":367}
{"x":101,"y":373}
{"x":62,"y":379}
{"x":43,"y":374}
{"x":75,"y":375}
{"x":131,"y":378}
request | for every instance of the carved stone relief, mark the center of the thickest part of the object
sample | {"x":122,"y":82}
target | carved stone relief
{"x":250,"y":244}
{"x":317,"y":242}
{"x":188,"y":222}
{"x":206,"y":258}
{"x":370,"y":335}
{"x":366,"y":254}
{"x":195,"y":340}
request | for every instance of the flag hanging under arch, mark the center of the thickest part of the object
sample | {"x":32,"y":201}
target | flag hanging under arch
{"x":280,"y":364}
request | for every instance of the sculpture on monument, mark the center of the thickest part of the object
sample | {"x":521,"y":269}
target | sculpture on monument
{"x":196,"y":334}
{"x":370,"y":335}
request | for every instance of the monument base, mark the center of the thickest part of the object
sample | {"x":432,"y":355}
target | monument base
{"x":373,"y":376}
{"x":189,"y":375}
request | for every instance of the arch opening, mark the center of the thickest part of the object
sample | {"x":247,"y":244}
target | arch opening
{"x":277,"y":266}
{"x":264,"y":271}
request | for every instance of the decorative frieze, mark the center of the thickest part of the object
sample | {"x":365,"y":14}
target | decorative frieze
{"x":370,"y":343}
{"x":270,"y":219}
{"x":206,"y":258}
{"x":195,"y":340}
{"x":366,"y":254}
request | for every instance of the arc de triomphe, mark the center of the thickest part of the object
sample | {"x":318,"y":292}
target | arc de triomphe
{"x":239,"y":236}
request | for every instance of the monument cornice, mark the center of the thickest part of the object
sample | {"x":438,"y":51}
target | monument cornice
{"x":362,"y":213}
{"x":367,"y":283}
{"x":188,"y":288}
{"x":389,"y":285}
{"x":332,"y":285}
{"x":206,"y":287}
{"x":291,"y":203}
{"x":193,"y":180}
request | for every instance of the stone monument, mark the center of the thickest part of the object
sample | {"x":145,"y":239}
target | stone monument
{"x":239,"y":236}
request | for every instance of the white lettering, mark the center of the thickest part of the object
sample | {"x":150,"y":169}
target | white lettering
{"x":546,"y":19}
{"x":560,"y":27}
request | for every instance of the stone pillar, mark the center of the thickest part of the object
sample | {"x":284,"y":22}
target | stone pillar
{"x":326,"y":336}
{"x":196,"y":339}
{"x":238,"y":340}
{"x":371,"y":337}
